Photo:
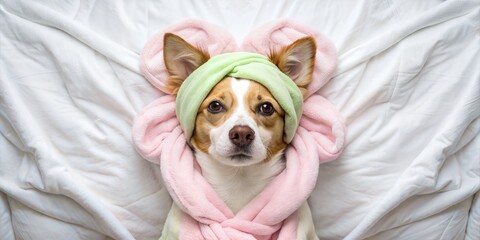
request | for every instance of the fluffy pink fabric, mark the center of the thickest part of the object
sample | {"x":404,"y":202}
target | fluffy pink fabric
{"x":272,"y":214}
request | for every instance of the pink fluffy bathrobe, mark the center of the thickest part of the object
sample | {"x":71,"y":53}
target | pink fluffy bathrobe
{"x":159,"y":137}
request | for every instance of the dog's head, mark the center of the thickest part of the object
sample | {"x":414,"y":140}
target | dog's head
{"x":239,"y":123}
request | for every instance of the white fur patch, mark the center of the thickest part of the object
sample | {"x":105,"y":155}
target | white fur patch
{"x":238,"y":185}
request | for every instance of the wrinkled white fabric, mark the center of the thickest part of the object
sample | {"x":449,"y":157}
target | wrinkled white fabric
{"x":407,"y":84}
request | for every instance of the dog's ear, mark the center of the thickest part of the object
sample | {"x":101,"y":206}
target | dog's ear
{"x":181,"y":59}
{"x":297,"y":61}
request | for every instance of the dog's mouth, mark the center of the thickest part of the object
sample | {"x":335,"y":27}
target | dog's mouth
{"x":240,"y":157}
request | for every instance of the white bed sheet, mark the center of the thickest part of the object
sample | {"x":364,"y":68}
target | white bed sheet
{"x":408,"y":84}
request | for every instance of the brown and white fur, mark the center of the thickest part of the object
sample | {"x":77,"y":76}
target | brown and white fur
{"x":238,"y":137}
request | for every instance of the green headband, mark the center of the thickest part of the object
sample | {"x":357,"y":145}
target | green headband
{"x":244,"y":65}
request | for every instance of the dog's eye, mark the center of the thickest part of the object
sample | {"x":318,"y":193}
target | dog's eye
{"x":266,"y":109}
{"x":215,"y":107}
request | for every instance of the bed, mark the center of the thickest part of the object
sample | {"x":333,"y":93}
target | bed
{"x":407,"y":84}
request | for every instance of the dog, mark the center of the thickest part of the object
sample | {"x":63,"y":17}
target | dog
{"x":238,"y":137}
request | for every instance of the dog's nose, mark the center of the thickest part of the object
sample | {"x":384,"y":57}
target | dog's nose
{"x":241,"y":136}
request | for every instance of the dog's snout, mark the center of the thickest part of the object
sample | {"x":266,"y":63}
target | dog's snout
{"x":241,"y":136}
